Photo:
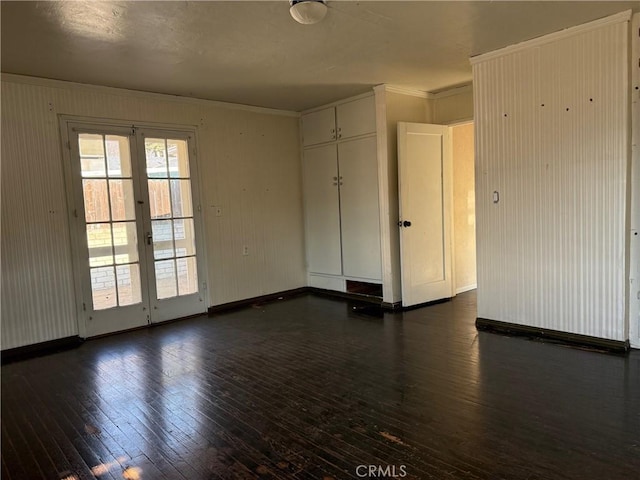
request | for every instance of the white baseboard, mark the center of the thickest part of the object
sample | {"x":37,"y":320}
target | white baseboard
{"x":466,"y":288}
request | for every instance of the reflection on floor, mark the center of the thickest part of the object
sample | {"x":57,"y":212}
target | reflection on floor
{"x":314,"y":388}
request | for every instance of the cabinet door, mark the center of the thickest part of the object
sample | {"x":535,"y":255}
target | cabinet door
{"x":319,"y":127}
{"x":360,"y":213}
{"x":322,"y":210}
{"x":357,"y":117}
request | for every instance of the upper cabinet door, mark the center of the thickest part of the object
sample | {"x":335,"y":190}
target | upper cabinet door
{"x":319,"y":127}
{"x":357,"y":117}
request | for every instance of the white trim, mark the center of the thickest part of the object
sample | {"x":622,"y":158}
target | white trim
{"x":72,"y":217}
{"x":336,"y":103}
{"x":633,"y":242}
{"x":457,"y":123}
{"x":51,"y":83}
{"x":113,"y":122}
{"x":386,"y":256}
{"x":451,"y":92}
{"x":551,"y":37}
{"x":406,"y":91}
{"x":466,"y":288}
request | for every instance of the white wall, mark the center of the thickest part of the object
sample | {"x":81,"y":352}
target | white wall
{"x":453,"y":105}
{"x":552,"y":137}
{"x":249,"y":164}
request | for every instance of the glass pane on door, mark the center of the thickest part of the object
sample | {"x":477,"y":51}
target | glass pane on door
{"x":172,"y":224}
{"x":107,"y":188}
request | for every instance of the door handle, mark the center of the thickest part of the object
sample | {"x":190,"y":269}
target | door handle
{"x":149,"y":238}
{"x":406,"y":223}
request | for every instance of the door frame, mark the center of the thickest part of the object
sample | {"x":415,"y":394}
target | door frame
{"x":64,"y":122}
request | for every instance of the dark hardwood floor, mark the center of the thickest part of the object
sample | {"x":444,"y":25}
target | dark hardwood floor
{"x":317,"y":388}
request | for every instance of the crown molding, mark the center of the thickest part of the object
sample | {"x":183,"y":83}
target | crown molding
{"x":407,"y":91}
{"x":51,"y":83}
{"x":450,"y":92}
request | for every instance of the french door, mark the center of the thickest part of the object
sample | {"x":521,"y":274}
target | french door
{"x":138,"y":242}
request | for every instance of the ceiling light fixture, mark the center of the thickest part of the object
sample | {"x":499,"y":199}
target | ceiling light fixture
{"x":307,"y":12}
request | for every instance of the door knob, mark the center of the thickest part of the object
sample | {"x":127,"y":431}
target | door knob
{"x":406,"y":223}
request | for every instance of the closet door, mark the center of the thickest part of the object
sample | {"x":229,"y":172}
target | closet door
{"x":319,"y":127}
{"x":360,"y":214}
{"x":357,"y":117}
{"x":322,"y":210}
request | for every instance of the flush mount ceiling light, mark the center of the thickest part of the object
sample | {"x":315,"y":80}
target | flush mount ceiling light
{"x":307,"y":12}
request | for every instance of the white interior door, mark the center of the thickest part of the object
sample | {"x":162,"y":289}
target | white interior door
{"x":425,"y":185}
{"x":136,"y":228}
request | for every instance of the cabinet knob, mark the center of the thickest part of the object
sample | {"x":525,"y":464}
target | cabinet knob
{"x":406,"y":223}
{"x":336,"y":178}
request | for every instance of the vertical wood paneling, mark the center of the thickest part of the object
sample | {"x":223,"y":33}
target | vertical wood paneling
{"x":37,"y":282}
{"x":248,"y":163}
{"x":552,"y":139}
{"x":634,"y":233}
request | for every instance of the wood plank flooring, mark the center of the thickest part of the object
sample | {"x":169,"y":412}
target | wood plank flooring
{"x":318,"y":388}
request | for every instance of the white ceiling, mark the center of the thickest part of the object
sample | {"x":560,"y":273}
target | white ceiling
{"x":254,"y":53}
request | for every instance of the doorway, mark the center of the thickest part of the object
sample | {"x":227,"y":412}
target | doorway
{"x":464,"y":207}
{"x":436,"y":171}
{"x":136,"y":231}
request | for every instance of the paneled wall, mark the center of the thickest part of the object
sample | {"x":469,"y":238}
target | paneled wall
{"x":634,"y":233}
{"x":552,"y":158}
{"x":248,"y":162}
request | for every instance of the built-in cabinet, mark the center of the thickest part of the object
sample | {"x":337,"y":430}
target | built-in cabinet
{"x":345,"y":120}
{"x":342,"y":211}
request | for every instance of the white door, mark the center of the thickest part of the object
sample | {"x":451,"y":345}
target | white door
{"x":322,"y":210}
{"x":137,"y":231}
{"x":425,"y":190}
{"x":359,"y":209}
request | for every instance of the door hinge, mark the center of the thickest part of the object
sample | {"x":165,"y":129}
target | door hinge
{"x":84,"y":307}
{"x":199,"y":208}
{"x":75,"y":213}
{"x":204,"y":285}
{"x":68,"y":145}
